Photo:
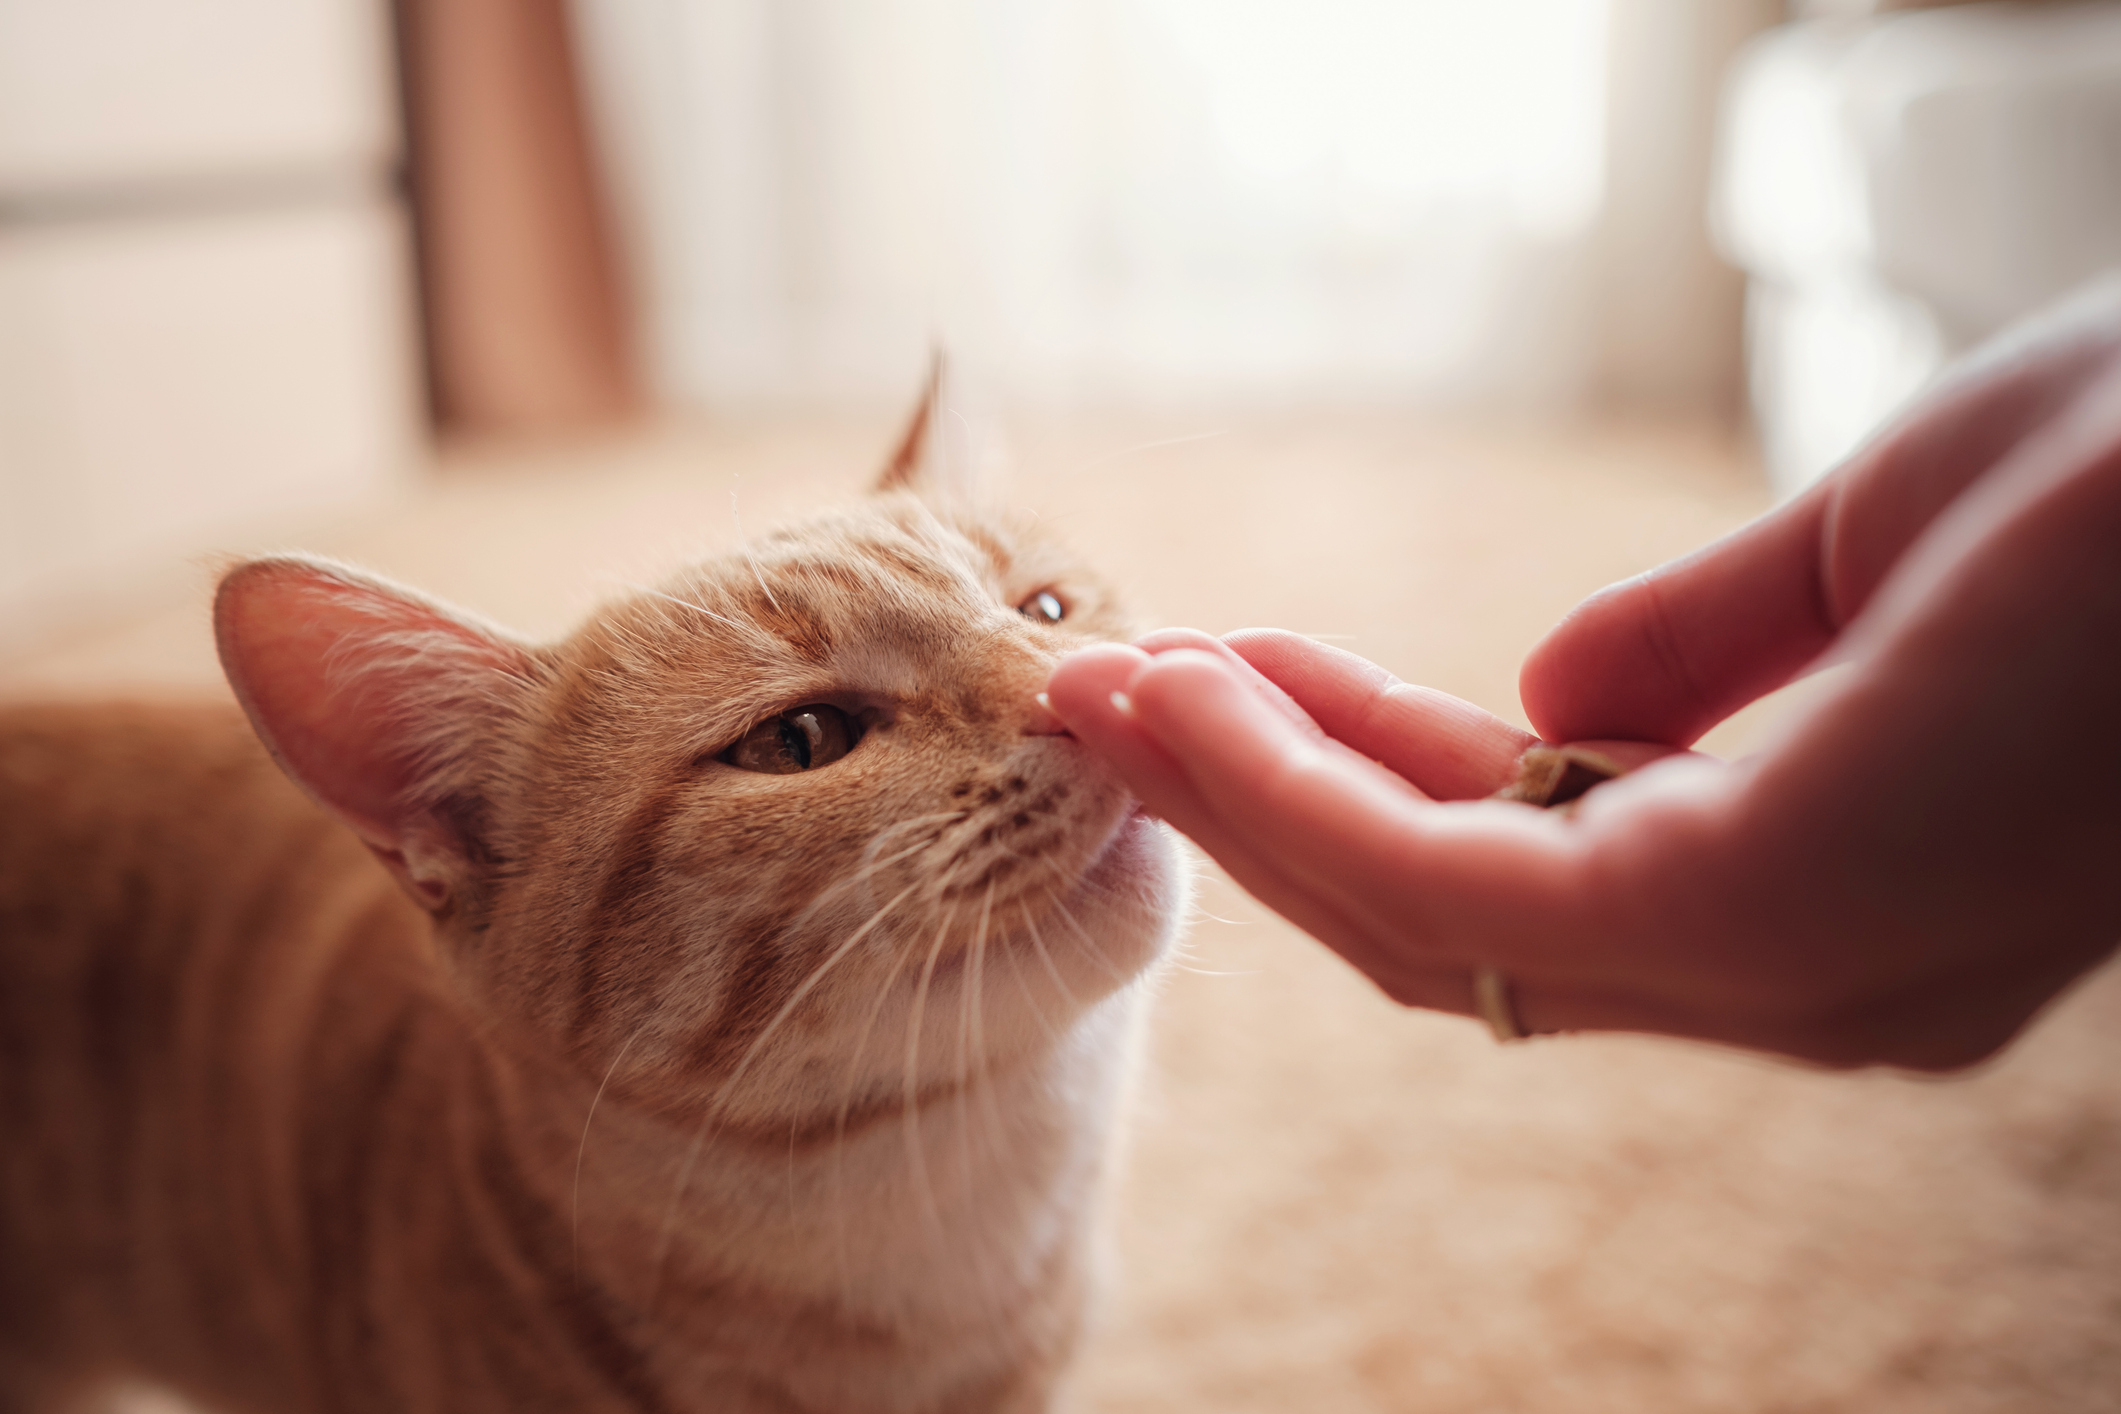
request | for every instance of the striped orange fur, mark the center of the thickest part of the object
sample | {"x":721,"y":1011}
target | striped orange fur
{"x":471,"y":1030}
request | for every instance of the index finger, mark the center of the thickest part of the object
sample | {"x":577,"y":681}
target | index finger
{"x":1447,"y":747}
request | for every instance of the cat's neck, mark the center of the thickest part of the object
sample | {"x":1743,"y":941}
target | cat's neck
{"x":944,"y":1240}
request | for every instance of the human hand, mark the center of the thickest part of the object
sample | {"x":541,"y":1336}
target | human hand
{"x":1907,"y":876}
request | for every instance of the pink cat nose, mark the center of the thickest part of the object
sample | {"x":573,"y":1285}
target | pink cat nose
{"x":1038,"y":719}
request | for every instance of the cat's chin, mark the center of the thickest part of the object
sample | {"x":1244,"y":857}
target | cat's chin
{"x":1131,"y":892}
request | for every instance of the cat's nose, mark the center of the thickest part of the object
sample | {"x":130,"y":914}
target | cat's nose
{"x":1038,"y":719}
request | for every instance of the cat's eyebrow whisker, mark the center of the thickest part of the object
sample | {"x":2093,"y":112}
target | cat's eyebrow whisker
{"x":582,"y":1149}
{"x":1082,"y":468}
{"x":745,"y":629}
{"x":743,"y":539}
{"x":968,"y":582}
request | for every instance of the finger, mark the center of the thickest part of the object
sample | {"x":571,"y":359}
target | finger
{"x":1666,"y":656}
{"x":1250,"y":839}
{"x":1082,"y":693}
{"x":1171,"y":640}
{"x":1422,"y":875}
{"x":1445,"y":746}
{"x":1193,"y":640}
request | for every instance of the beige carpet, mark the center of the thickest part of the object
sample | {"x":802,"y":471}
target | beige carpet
{"x":1335,"y":1205}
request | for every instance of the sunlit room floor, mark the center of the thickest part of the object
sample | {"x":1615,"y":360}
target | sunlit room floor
{"x":1331,"y":1204}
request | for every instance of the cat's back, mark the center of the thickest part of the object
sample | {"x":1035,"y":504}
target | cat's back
{"x":171,"y":912}
{"x":126,"y":814}
{"x":71,"y":772}
{"x":150,"y":851}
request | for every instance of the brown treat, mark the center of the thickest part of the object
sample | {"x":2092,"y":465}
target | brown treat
{"x":1558,"y":776}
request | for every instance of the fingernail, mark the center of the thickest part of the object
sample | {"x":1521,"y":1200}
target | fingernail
{"x":1123,"y":704}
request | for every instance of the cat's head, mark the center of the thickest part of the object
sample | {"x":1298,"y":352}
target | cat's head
{"x":760,"y":833}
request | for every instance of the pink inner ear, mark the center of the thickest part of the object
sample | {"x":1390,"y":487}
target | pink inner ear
{"x":350,"y":683}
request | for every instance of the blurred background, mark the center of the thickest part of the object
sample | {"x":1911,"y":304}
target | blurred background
{"x":1402,"y":322}
{"x":257,"y":255}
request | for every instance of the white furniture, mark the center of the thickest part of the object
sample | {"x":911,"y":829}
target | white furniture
{"x":1900,"y":187}
{"x":205,"y":299}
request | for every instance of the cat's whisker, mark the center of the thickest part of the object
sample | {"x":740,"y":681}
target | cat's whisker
{"x":713,"y":1113}
{"x":970,"y":1028}
{"x":1038,"y":945}
{"x":859,"y":1051}
{"x":971,"y":998}
{"x":910,"y":1116}
{"x":1036,"y":1007}
{"x":963,"y":1072}
{"x":870,"y":867}
{"x":1096,"y":950}
{"x":870,"y":863}
{"x":979,"y":1026}
{"x":855,"y":1059}
{"x":582,"y":1149}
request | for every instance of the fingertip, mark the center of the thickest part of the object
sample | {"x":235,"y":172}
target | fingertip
{"x":1570,"y":673}
{"x":1082,"y":683}
{"x":1170,"y":689}
{"x":1169,"y":640}
{"x":1246,"y":641}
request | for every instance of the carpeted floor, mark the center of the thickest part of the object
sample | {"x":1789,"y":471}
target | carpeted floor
{"x":1332,"y":1204}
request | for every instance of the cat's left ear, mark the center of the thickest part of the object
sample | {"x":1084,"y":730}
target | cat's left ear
{"x":377,"y":701}
{"x":938,"y":458}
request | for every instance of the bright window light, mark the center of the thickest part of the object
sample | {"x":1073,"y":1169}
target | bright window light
{"x":1406,"y":104}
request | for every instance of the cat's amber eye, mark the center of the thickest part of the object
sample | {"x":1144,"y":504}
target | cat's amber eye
{"x":799,"y":740}
{"x":1043,"y":607}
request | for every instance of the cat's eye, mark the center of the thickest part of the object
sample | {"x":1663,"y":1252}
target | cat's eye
{"x":1043,"y":607}
{"x":799,"y":740}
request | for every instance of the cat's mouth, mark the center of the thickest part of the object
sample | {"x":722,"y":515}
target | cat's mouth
{"x":1132,"y":848}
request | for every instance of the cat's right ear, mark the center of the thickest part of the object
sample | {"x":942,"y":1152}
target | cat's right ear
{"x":936,"y":458}
{"x":375,"y":700}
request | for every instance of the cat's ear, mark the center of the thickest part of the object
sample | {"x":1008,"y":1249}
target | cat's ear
{"x":938,"y":457}
{"x":376,"y":701}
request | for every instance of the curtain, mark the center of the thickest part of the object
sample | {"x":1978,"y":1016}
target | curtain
{"x":1107,"y":201}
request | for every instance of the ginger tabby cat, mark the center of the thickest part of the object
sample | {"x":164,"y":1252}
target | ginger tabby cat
{"x":735,"y":1023}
